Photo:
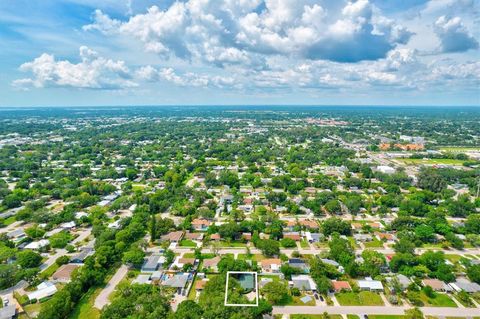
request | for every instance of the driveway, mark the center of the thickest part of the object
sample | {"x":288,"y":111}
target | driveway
{"x":102,"y":298}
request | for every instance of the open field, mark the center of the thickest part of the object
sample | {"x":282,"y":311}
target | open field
{"x":431,"y":161}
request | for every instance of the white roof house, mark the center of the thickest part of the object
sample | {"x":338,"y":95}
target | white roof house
{"x":79,"y":215}
{"x":45,"y":289}
{"x":35,"y":245}
{"x":370,"y":284}
{"x":303,"y":282}
{"x":68,"y":225}
{"x":385,"y":169}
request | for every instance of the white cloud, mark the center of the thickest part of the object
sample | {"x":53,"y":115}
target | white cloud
{"x":151,"y":74}
{"x":238,"y":31}
{"x":453,"y":35}
{"x":92,"y":72}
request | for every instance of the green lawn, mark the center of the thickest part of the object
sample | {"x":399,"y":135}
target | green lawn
{"x":187,"y":243}
{"x":31,"y":311}
{"x":459,"y":149}
{"x":232,"y":244}
{"x":49,"y":271}
{"x":314,"y":316}
{"x":85,"y":309}
{"x":440,"y":300}
{"x":386,"y":316}
{"x":453,"y":258}
{"x":446,"y":161}
{"x":352,"y":317}
{"x":363,"y":298}
{"x":304,"y":244}
{"x":295,"y":301}
{"x":8,"y":220}
{"x":374,"y":244}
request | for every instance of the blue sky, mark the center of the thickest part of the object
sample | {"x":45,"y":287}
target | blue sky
{"x":131,"y":52}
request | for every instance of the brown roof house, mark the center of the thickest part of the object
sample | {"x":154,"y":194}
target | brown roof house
{"x":211,"y":264}
{"x":200,"y":224}
{"x":436,"y":285}
{"x":339,"y":285}
{"x":64,"y":273}
{"x":174,"y":236}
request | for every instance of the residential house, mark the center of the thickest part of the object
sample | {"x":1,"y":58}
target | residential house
{"x":44,"y":290}
{"x":215,"y":237}
{"x":293,"y":235}
{"x":313,"y":237}
{"x":174,"y":237}
{"x":200,"y":284}
{"x":200,"y":224}
{"x":178,"y":281}
{"x":152,"y":263}
{"x":299,"y":264}
{"x":303,"y":283}
{"x":16,"y":235}
{"x":436,"y":285}
{"x":37,"y":245}
{"x":370,"y":284}
{"x":194,"y":236}
{"x":211,"y":264}
{"x":403,"y":281}
{"x":64,"y":273}
{"x":388,"y":237}
{"x":339,"y":285}
{"x":271,"y":265}
{"x":82,"y":255}
{"x":465,"y":285}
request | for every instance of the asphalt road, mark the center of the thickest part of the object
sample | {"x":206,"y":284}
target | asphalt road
{"x":102,"y":298}
{"x":376,"y":310}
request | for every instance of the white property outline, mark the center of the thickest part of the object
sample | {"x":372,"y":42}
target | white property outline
{"x":256,"y":289}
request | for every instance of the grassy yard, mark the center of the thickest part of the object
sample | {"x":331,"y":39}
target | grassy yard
{"x":85,"y":308}
{"x":304,"y":244}
{"x":386,"y":316}
{"x":314,"y":316}
{"x":49,"y":271}
{"x":363,"y":298}
{"x":454,"y":149}
{"x":8,"y":220}
{"x":31,"y":311}
{"x":374,"y":244}
{"x":352,"y":317}
{"x":453,"y":258}
{"x":256,"y":257}
{"x":440,"y":300}
{"x":187,"y":243}
{"x":295,"y":301}
{"x":232,"y":244}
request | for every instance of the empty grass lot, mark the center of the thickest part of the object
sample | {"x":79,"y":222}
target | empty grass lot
{"x":440,"y":300}
{"x":363,"y":298}
{"x":432,"y":161}
{"x":374,"y":244}
{"x":314,"y":316}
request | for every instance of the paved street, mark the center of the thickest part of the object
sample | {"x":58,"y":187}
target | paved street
{"x":376,"y":310}
{"x":102,"y":299}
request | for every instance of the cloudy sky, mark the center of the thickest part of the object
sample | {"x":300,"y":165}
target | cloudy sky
{"x":335,"y":52}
